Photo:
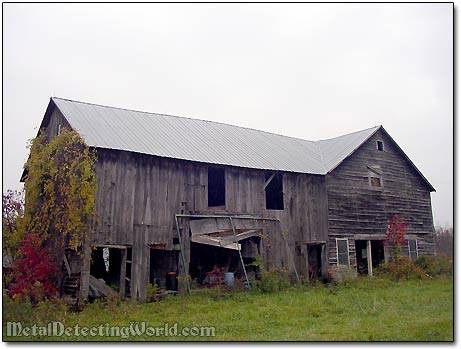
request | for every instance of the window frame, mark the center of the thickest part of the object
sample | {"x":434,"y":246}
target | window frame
{"x":378,"y":143}
{"x":374,"y":172}
{"x":416,"y":249}
{"x":348,"y":252}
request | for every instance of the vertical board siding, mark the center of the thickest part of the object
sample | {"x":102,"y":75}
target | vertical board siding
{"x":145,"y":192}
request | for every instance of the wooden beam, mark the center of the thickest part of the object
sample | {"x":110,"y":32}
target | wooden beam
{"x":66,"y":263}
{"x":123,"y":273}
{"x":370,"y":265}
{"x":269,"y":180}
{"x":121,"y":247}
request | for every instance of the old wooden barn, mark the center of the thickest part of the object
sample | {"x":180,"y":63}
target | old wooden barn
{"x":184,"y":196}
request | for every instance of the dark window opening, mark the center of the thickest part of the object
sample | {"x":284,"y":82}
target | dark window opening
{"x":380,"y":145}
{"x":375,"y":182}
{"x":216,"y":187}
{"x":274,"y":191}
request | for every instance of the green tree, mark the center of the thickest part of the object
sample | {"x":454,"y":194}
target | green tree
{"x":60,"y":188}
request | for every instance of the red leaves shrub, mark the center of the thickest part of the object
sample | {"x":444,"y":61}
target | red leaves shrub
{"x":395,"y":235}
{"x":33,"y":271}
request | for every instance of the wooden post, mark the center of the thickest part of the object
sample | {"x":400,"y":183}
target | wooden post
{"x":122,"y":272}
{"x":370,"y":265}
{"x":324,"y":259}
{"x":85,"y":270}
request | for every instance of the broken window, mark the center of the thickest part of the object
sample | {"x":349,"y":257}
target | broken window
{"x":413,"y":249}
{"x":216,"y":187}
{"x":342,"y":248}
{"x":375,"y":181}
{"x":374,"y":175}
{"x":380,"y":145}
{"x":274,"y":191}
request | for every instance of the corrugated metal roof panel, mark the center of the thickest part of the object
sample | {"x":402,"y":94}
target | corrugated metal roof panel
{"x":205,"y":141}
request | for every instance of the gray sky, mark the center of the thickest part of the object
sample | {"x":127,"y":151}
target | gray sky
{"x":305,"y":70}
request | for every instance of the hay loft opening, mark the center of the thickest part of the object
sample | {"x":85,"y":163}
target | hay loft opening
{"x":273,"y":188}
{"x":216,"y":187}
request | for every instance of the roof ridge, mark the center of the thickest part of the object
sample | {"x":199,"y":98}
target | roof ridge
{"x":184,"y":117}
{"x":348,"y":134}
{"x":322,"y":161}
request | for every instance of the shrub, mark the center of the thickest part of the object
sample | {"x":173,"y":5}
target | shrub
{"x":151,"y":292}
{"x":401,"y":268}
{"x":273,"y":280}
{"x":436,"y":265}
{"x":21,"y":309}
{"x":32,"y":272}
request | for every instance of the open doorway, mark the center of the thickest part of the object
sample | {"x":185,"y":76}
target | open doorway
{"x":314,"y":261}
{"x":365,"y":249}
{"x":162,"y":262}
{"x":209,"y":263}
{"x":105,"y":264}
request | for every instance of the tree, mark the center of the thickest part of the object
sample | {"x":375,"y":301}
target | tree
{"x":60,"y":188}
{"x":444,"y":241}
{"x":12,"y":225}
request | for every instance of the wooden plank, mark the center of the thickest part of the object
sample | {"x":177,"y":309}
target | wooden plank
{"x":122,"y":282}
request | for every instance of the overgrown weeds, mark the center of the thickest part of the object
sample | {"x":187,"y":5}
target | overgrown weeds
{"x":436,"y":266}
{"x":401,"y":268}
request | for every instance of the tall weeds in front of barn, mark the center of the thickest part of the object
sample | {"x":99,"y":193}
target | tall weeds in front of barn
{"x":361,"y":309}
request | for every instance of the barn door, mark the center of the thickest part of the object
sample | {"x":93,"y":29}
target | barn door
{"x":314,"y":260}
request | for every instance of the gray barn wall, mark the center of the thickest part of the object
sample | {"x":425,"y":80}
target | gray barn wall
{"x":139,"y":195}
{"x":356,"y":208}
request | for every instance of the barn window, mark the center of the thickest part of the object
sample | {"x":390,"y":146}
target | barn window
{"x":413,"y":249}
{"x":58,"y":129}
{"x":375,"y":181}
{"x":374,"y":175}
{"x":273,"y":188}
{"x":380,"y":145}
{"x":216,"y":187}
{"x":342,"y":250}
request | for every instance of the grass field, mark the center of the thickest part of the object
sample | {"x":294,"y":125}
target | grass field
{"x":363,"y":310}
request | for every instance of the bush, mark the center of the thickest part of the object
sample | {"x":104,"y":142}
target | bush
{"x":436,"y":265}
{"x":402,"y":269}
{"x":151,"y":292}
{"x":21,"y":309}
{"x":32,"y":271}
{"x":273,"y":280}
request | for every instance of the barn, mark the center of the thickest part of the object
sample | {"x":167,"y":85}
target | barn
{"x":179,"y":196}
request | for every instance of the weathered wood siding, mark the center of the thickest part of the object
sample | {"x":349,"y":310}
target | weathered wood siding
{"x":354,"y":207}
{"x":139,"y":195}
{"x":55,"y":118}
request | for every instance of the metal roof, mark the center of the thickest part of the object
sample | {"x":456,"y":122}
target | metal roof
{"x":205,"y":141}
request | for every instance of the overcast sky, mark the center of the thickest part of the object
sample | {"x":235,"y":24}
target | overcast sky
{"x":311,"y":71}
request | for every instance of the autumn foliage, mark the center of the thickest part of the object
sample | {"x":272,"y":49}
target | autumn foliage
{"x":395,"y":236}
{"x":33,"y":271}
{"x":60,"y":188}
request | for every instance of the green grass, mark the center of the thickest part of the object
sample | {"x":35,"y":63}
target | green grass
{"x":362,"y":310}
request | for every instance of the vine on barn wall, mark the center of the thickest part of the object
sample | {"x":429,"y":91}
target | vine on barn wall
{"x":60,"y":190}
